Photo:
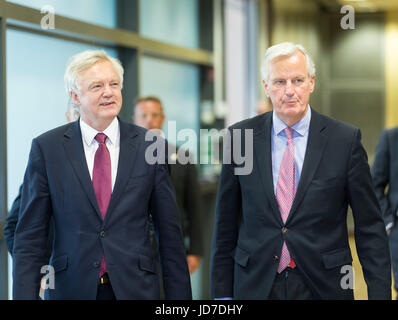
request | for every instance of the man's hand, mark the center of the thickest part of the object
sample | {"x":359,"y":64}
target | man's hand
{"x":193,"y":262}
{"x":389,"y":227}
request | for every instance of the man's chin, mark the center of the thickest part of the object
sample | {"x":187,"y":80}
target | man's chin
{"x":110,"y":112}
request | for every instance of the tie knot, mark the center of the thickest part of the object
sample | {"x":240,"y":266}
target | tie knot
{"x":100,"y":137}
{"x":289,"y":133}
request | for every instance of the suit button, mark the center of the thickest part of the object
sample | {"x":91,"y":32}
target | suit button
{"x":102,"y":234}
{"x":96,"y":264}
{"x":276,"y":258}
{"x":284,"y":229}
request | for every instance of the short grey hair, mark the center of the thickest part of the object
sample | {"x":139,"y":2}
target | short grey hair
{"x":83,"y":61}
{"x":285,"y":49}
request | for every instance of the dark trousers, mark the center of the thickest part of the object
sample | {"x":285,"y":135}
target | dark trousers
{"x":105,"y":292}
{"x":290,"y":285}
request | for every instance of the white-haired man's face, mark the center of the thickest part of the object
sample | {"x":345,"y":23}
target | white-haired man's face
{"x":289,"y":87}
{"x":100,"y":95}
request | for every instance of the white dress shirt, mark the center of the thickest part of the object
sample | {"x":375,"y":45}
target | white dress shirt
{"x":112,"y":143}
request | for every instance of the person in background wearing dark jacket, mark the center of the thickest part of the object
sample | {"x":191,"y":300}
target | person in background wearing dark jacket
{"x":385,"y":180}
{"x":148,"y":113}
{"x":71,"y":114}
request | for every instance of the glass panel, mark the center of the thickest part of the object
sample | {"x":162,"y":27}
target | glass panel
{"x":172,"y":21}
{"x":36,"y":97}
{"x":101,"y":12}
{"x":177,"y":85}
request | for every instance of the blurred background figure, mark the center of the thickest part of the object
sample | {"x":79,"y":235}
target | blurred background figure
{"x":71,"y":114}
{"x":385,"y":180}
{"x":148,"y":113}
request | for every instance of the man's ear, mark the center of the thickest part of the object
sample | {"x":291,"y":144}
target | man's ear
{"x":266,"y":88}
{"x":75,"y":98}
{"x":312,"y":84}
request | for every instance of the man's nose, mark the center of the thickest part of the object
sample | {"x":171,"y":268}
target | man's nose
{"x":107,"y":91}
{"x":148,"y":122}
{"x":289,"y":88}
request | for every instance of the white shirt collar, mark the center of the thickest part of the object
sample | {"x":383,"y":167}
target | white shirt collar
{"x":89,"y":133}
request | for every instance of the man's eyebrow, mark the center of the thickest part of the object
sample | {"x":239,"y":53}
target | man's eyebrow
{"x":95,"y":82}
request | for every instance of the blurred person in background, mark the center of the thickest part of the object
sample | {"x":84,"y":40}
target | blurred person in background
{"x":385,"y":180}
{"x":149,"y":113}
{"x":71,"y":114}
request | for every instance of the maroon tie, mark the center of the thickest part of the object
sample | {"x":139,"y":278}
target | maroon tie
{"x":102,"y":182}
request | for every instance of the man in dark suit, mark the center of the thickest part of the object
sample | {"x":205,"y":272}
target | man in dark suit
{"x":281,"y":231}
{"x":385,"y":180}
{"x":92,"y":178}
{"x":148,"y":113}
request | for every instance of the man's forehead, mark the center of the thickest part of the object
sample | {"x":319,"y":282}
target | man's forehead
{"x":287,"y":74}
{"x":96,"y":71}
{"x":294,"y":57}
{"x":149,"y":106}
{"x":287,"y":67}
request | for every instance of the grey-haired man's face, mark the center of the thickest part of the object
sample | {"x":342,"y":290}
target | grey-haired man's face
{"x":289,"y":87}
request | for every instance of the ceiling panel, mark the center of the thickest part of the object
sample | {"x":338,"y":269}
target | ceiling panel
{"x":370,"y":5}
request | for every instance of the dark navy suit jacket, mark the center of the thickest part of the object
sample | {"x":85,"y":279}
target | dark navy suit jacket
{"x":249,"y":231}
{"x":57,"y":184}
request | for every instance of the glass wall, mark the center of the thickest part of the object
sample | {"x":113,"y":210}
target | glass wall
{"x":177,"y":85}
{"x":172,"y":21}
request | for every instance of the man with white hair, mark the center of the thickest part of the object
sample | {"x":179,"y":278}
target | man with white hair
{"x":281,"y":231}
{"x":92,"y":178}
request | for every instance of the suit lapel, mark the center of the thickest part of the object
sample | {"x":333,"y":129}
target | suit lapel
{"x":316,"y":143}
{"x":263,"y":152}
{"x":73,"y":145}
{"x":129,"y":145}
